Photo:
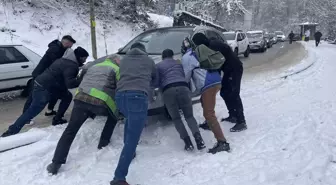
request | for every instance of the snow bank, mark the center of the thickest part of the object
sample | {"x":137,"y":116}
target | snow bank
{"x":161,"y":20}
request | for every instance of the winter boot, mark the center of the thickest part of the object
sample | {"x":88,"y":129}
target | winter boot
{"x":204,"y":126}
{"x":188,"y":144}
{"x":220,"y":147}
{"x":230,"y":119}
{"x":118,"y":182}
{"x":7,"y":133}
{"x":103,"y":143}
{"x":239,"y":127}
{"x":199,"y":141}
{"x":50,"y":113}
{"x":59,"y":121}
{"x":53,"y":168}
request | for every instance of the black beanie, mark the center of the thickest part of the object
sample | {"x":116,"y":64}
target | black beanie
{"x":200,"y":38}
{"x":139,"y":46}
{"x":167,"y":53}
{"x":81,"y":52}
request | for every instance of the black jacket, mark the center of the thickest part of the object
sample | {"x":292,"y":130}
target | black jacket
{"x":54,"y":52}
{"x":62,"y":74}
{"x":318,"y":35}
{"x":232,"y":62}
{"x":291,"y":36}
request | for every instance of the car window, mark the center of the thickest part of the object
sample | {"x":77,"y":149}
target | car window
{"x":159,"y":40}
{"x":254,"y":35}
{"x":243,"y":35}
{"x":239,"y":37}
{"x":11,"y":55}
{"x":219,"y":37}
{"x":279,"y":33}
{"x":230,"y":36}
{"x":211,"y":34}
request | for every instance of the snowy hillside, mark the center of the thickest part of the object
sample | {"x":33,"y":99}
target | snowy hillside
{"x":35,"y":28}
{"x":290,"y":140}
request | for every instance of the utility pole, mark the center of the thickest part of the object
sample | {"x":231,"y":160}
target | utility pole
{"x":93,"y":30}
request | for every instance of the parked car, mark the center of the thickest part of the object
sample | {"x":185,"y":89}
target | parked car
{"x":257,"y":40}
{"x":281,"y":36}
{"x":297,"y":37}
{"x":16,"y":66}
{"x":269,"y":40}
{"x":274,"y":37}
{"x":157,"y":40}
{"x":238,"y":42}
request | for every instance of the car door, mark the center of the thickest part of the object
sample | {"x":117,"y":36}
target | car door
{"x":244,"y":42}
{"x":15,"y":68}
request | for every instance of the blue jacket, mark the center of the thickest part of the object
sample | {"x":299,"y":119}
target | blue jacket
{"x":200,"y":79}
{"x":169,"y":71}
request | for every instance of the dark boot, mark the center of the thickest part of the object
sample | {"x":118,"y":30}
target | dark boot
{"x":53,"y":168}
{"x":102,"y":144}
{"x":204,"y":126}
{"x":230,"y":119}
{"x":51,"y":113}
{"x":7,"y":133}
{"x":239,"y":127}
{"x":188,"y":144}
{"x":199,"y":141}
{"x":116,"y":182}
{"x":220,"y":147}
{"x":59,"y":121}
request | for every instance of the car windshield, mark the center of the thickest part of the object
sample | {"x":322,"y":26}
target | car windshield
{"x":230,"y":36}
{"x":279,"y":33}
{"x":159,"y":40}
{"x":254,"y":35}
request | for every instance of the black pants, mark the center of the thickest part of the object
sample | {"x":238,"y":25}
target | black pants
{"x":66,"y":98}
{"x":317,"y":41}
{"x":230,"y":92}
{"x":290,"y":41}
{"x":80,"y":113}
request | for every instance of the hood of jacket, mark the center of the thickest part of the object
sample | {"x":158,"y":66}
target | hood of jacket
{"x":70,"y":55}
{"x":136,"y":51}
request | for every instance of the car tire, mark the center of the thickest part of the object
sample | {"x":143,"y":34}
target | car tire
{"x":247,"y":52}
{"x":236,"y":51}
{"x":27,"y":90}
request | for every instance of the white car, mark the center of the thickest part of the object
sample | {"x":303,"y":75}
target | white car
{"x":280,"y":35}
{"x":238,"y":41}
{"x":16,"y":66}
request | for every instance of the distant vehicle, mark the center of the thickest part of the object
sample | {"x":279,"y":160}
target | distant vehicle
{"x":157,"y":40}
{"x":297,"y":37}
{"x":281,"y":36}
{"x":238,"y":41}
{"x":257,"y":40}
{"x":269,"y":40}
{"x":16,"y":66}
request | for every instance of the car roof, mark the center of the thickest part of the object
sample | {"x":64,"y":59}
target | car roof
{"x":10,"y":45}
{"x":255,"y":31}
{"x":229,"y":32}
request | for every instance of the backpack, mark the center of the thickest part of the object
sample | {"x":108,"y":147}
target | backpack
{"x":208,"y":58}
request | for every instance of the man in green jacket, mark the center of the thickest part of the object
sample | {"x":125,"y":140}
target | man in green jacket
{"x":94,"y":97}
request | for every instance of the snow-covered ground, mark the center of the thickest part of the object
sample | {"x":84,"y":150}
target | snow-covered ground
{"x":290,"y":140}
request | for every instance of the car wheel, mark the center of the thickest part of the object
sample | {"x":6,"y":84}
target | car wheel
{"x":236,"y":51}
{"x":247,"y":52}
{"x":27,"y":90}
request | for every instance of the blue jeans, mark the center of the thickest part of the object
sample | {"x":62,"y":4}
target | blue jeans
{"x":133,"y":105}
{"x":40,"y":98}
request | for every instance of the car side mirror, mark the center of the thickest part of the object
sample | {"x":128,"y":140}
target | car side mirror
{"x":239,"y":39}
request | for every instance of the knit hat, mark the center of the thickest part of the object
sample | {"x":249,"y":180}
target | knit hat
{"x":69,"y":38}
{"x":139,"y":46}
{"x":81,"y":52}
{"x":200,"y":38}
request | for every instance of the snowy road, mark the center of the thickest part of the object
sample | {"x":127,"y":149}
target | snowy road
{"x":290,"y":141}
